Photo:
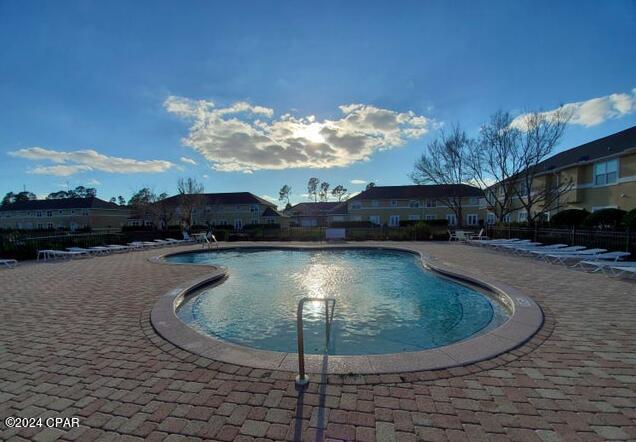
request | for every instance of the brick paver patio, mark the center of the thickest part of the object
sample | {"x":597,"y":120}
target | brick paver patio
{"x":76,"y":341}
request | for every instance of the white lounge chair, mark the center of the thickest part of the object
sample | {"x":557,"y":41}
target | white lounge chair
{"x":52,"y":254}
{"x":539,"y":253}
{"x":119,"y":247}
{"x":91,"y":251}
{"x":563,"y":258}
{"x":503,"y":245}
{"x":621,"y":270}
{"x":526,"y":249}
{"x":9,"y":263}
{"x":514,"y":246}
{"x":605,"y":267}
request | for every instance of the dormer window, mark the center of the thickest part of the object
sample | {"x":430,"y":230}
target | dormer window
{"x":431,"y":203}
{"x":356,"y":205}
{"x":606,"y":172}
{"x":393,"y":203}
{"x":414,"y":204}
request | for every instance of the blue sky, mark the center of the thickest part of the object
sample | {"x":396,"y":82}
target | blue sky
{"x":116,"y":93}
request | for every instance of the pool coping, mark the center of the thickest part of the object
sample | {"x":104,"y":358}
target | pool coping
{"x":525,"y":320}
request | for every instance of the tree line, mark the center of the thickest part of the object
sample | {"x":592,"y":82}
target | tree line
{"x":318,"y":191}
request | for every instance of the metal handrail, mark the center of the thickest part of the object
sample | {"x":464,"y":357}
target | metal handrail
{"x":302,"y":378}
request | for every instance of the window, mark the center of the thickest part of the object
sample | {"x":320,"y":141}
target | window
{"x":414,"y":204}
{"x":238,"y":224}
{"x":507,"y":218}
{"x":414,"y":217}
{"x":49,"y":213}
{"x":606,"y":172}
{"x":452,"y":219}
{"x":393,"y":203}
{"x":50,"y":226}
{"x":356,"y":218}
{"x":38,"y":214}
{"x":522,"y":217}
{"x":374,"y":219}
{"x":490,"y":218}
{"x":394,"y":220}
{"x":472,"y":219}
{"x":431,"y":203}
{"x":472,"y":201}
{"x":430,"y":217}
{"x":356,"y":205}
{"x":375,"y":203}
{"x":85,"y":212}
{"x":254,"y":208}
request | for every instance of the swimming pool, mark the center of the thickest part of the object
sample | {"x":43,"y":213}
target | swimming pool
{"x":386,"y":302}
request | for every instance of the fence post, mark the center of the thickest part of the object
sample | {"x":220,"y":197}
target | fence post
{"x":627,"y":240}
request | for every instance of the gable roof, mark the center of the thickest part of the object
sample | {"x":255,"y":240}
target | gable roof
{"x":213,"y":199}
{"x":594,"y":150}
{"x":311,"y":209}
{"x":269,"y":211}
{"x":418,"y":191}
{"x":66,"y":203}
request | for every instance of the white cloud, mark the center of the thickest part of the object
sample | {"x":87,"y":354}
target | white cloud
{"x":188,"y":161}
{"x":594,"y":111}
{"x":269,"y":198}
{"x":70,"y":163}
{"x":205,"y":176}
{"x":246,"y":138}
{"x":358,"y":182}
{"x":93,"y":182}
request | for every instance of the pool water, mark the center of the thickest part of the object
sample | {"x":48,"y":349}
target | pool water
{"x":386,"y":302}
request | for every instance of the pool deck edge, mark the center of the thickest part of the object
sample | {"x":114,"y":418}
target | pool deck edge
{"x":524,"y":322}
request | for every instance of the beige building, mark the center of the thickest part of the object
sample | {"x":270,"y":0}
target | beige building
{"x":389,"y":205}
{"x":70,"y":214}
{"x":596,"y":175}
{"x":236,"y":209}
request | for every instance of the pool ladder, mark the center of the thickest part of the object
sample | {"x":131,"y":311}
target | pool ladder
{"x":302,"y":379}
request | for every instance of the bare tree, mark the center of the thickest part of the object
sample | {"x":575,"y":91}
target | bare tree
{"x":541,"y":132}
{"x":163,"y":211}
{"x":339,"y":192}
{"x":190,"y":198}
{"x":494,"y":160}
{"x":324,"y":191}
{"x":445,"y":162}
{"x":284,"y":194}
{"x":312,"y":188}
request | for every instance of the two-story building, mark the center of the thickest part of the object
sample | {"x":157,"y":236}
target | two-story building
{"x":310,"y":214}
{"x":388,"y":205}
{"x":236,"y":209}
{"x":70,"y":214}
{"x":596,"y":175}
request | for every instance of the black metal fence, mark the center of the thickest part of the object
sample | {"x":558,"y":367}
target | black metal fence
{"x":593,"y":238}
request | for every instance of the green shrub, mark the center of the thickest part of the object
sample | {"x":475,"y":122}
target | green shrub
{"x":570,"y":217}
{"x":605,"y":218}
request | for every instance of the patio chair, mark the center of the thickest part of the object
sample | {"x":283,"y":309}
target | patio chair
{"x":621,"y":270}
{"x":92,"y":250}
{"x":9,"y":263}
{"x":609,"y":256}
{"x":540,"y":253}
{"x":526,"y":250}
{"x":452,"y":236}
{"x":563,"y":258}
{"x":478,"y":237}
{"x":52,"y":254}
{"x":606,"y":267}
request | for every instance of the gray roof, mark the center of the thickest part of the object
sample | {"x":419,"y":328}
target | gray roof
{"x":57,"y":204}
{"x":603,"y":147}
{"x":228,"y":198}
{"x":311,"y":209}
{"x":419,"y":191}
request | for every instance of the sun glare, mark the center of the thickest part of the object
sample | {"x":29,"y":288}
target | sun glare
{"x":311,"y":132}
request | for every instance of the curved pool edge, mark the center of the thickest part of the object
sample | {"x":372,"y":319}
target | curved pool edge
{"x":525,"y":320}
